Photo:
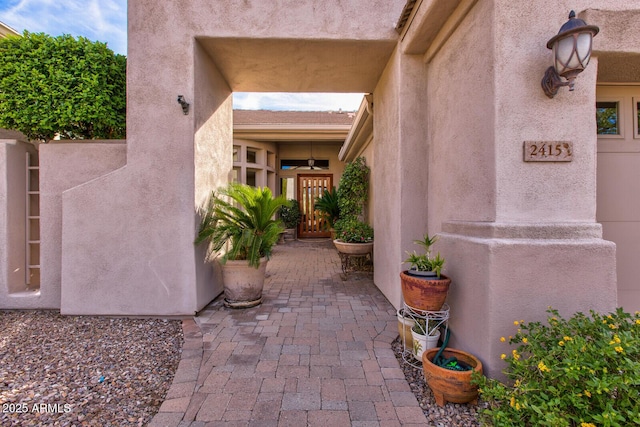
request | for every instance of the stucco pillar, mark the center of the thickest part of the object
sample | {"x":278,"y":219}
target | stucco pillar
{"x":400,"y":176}
{"x":12,"y":218}
{"x":127,"y":237}
{"x":517,"y":236}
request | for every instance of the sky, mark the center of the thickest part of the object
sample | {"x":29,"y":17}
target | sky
{"x":106,"y":21}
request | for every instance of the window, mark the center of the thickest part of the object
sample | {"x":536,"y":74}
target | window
{"x":236,"y":153}
{"x":252,"y":156}
{"x":251,"y":177}
{"x":607,"y":114}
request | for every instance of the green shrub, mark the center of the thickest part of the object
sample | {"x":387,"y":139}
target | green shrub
{"x":353,"y":188}
{"x":584,"y":371}
{"x":61,"y":85}
{"x":351,"y":230}
{"x":290,"y":213}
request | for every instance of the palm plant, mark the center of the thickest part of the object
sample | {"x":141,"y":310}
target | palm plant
{"x":328,"y":205}
{"x":240,"y":219}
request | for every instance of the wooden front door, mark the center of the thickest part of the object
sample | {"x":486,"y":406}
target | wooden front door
{"x":309,"y":188}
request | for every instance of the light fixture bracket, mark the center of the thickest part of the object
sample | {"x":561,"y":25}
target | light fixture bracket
{"x":552,"y":81}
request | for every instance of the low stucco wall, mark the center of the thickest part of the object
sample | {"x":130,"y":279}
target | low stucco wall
{"x":64,"y":165}
{"x":13,"y":289}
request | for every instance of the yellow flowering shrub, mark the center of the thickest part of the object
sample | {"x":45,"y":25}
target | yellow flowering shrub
{"x":577,"y":372}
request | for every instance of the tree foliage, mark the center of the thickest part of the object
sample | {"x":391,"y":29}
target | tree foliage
{"x":61,"y":85}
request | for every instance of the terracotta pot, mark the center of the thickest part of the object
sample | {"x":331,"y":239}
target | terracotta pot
{"x":448,"y":385}
{"x":424,"y":294}
{"x":353,"y":248}
{"x":242,"y":283}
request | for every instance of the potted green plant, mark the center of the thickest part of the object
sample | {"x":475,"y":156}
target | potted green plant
{"x":425,"y":335}
{"x":290,"y":215}
{"x":327,"y":204}
{"x":424,"y":287}
{"x":353,"y":236}
{"x":238,"y":225}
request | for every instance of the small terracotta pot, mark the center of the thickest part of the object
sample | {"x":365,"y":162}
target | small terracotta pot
{"x":424,"y":294}
{"x":448,"y":385}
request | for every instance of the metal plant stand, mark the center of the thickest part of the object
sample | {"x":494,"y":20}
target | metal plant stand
{"x":355,"y":262}
{"x":433,"y":320}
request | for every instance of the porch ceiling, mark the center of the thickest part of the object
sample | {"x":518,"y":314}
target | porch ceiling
{"x":286,"y":65}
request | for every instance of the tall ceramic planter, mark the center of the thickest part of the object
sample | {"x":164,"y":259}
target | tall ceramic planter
{"x":243,"y":284}
{"x":424,"y":293}
{"x":448,"y":385}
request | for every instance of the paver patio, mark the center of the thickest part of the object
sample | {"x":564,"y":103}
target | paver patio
{"x":317,"y":351}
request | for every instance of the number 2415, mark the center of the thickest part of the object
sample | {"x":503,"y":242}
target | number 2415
{"x":550,"y":150}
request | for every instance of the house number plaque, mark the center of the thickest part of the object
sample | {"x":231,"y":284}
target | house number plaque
{"x":548,"y":151}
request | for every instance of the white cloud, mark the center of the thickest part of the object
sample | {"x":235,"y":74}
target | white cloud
{"x":97,"y":20}
{"x":297,"y":101}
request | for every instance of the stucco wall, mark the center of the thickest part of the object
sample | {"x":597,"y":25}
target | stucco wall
{"x":502,"y":225}
{"x":64,"y":165}
{"x":12,"y":221}
{"x":401,"y":179}
{"x":137,"y":256}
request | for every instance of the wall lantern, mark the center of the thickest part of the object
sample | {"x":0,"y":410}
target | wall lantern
{"x":571,"y":53}
{"x":311,"y":161}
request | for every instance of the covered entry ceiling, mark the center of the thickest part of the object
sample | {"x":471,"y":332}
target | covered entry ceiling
{"x":286,"y":65}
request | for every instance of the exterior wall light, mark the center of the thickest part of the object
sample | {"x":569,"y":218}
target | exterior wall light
{"x":571,"y":52}
{"x":185,"y":105}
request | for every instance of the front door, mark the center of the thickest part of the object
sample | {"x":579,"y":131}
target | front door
{"x":309,"y":188}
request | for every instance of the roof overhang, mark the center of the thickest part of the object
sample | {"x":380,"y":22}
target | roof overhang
{"x":291,"y":132}
{"x":361,"y":132}
{"x":293,"y":65}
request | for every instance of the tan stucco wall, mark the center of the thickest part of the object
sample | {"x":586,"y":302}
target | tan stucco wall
{"x":64,"y":165}
{"x":449,"y":126}
{"x":401,"y":178}
{"x":518,"y":237}
{"x":137,"y":256}
{"x":12,"y":225}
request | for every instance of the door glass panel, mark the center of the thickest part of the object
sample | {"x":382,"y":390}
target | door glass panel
{"x":637,"y":118}
{"x":607,"y":118}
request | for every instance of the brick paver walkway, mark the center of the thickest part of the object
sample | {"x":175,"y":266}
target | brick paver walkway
{"x":316,"y":352}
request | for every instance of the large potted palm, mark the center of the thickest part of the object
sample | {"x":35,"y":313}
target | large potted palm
{"x":238,"y":223}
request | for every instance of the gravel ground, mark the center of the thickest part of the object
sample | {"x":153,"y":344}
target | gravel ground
{"x":84,"y":371}
{"x":451,"y":415}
